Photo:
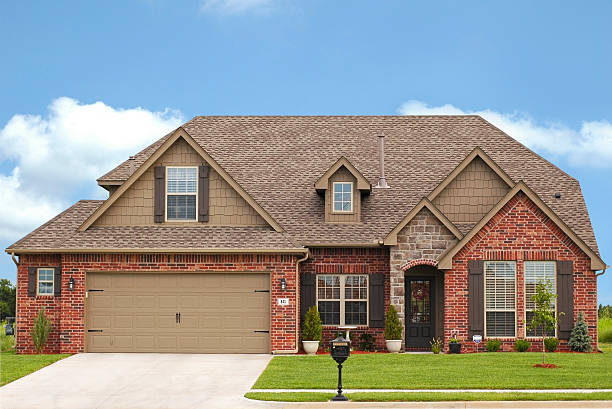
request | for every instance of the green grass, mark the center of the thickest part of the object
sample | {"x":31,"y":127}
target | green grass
{"x":464,"y":371}
{"x":14,"y":366}
{"x":7,"y":342}
{"x":424,"y":396}
{"x":604,"y":329}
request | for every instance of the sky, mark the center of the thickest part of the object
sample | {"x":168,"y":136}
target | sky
{"x":83,"y":85}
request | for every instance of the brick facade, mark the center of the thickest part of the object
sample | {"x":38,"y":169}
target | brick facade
{"x":350,"y":261}
{"x":67,"y":312}
{"x":519,"y":232}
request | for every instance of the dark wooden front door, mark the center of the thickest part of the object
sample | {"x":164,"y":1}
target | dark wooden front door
{"x":420,"y":315}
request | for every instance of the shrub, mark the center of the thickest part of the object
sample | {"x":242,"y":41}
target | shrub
{"x":604,"y":330}
{"x":40,"y":330}
{"x":436,"y":345}
{"x":493,"y":345}
{"x":312,"y":329}
{"x":551,"y":344}
{"x":366,"y":342}
{"x":522,"y":345}
{"x":580,"y":340}
{"x":393,"y":326}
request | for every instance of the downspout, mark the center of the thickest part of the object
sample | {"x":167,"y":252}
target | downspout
{"x":297,"y":291}
{"x":16,"y":294}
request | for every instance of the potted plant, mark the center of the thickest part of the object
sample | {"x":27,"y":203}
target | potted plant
{"x":312,"y":331}
{"x":393,"y":330}
{"x":454,"y":345}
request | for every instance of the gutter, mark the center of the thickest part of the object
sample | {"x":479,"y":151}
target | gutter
{"x":603,"y":272}
{"x":165,"y":250}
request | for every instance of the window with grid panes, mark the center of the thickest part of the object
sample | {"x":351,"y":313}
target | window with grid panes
{"x":181,"y":193}
{"x":343,"y":299}
{"x":500,"y":298}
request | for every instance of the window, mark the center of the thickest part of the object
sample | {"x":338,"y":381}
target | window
{"x":343,"y":197}
{"x":343,"y":299}
{"x":181,"y":193}
{"x":45,"y":281}
{"x":536,"y":271}
{"x":500,"y":298}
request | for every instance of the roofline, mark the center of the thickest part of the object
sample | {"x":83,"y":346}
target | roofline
{"x":362,"y":182}
{"x":158,"y":250}
{"x":391,"y":239}
{"x":445,"y":262}
{"x":178,"y":133}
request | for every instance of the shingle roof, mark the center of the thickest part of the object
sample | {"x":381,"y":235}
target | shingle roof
{"x":287,"y":154}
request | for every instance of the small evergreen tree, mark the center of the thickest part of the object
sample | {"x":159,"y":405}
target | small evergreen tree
{"x":40,"y":330}
{"x":544,"y":317}
{"x":312,"y":329}
{"x":393,"y":326}
{"x":580,"y":340}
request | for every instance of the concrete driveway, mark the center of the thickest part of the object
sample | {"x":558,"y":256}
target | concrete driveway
{"x":143,"y":381}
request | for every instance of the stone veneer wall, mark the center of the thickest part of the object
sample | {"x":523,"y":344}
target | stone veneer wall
{"x":424,"y":238}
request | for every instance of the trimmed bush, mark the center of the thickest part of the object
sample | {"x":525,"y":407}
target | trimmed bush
{"x":493,"y":345}
{"x":551,"y":344}
{"x":312,"y":329}
{"x":366,"y":342}
{"x":522,"y":345}
{"x":580,"y":340}
{"x":393,"y":326}
{"x":40,"y":330}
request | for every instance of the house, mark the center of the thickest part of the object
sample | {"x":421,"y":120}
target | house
{"x":220,"y":235}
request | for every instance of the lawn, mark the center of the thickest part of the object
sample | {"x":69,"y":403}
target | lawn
{"x":14,"y":366}
{"x":466,"y":371}
{"x":604,"y":329}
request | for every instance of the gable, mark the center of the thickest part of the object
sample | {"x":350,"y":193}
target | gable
{"x":135,"y":206}
{"x":342,"y":175}
{"x":472,"y":193}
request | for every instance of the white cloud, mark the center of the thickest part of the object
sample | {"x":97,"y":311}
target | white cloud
{"x":234,"y":6}
{"x":56,"y":157}
{"x":591,"y":145}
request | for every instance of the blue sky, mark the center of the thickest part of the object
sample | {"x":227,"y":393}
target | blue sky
{"x":74,"y":75}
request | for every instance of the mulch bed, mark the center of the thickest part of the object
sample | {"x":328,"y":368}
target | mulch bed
{"x":549,"y":366}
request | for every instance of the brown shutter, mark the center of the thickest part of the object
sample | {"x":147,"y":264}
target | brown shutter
{"x":57,"y":281}
{"x":32,"y":280}
{"x":159,"y":194}
{"x":203,"y":194}
{"x":307,"y":294}
{"x":377,"y":300}
{"x":476,"y":297}
{"x":565,"y":297}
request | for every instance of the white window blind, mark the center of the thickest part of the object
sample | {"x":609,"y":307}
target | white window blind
{"x":181,"y":193}
{"x":538,"y":271}
{"x":500,"y":298}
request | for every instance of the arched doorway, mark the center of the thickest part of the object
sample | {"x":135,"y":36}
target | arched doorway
{"x":424,"y":294}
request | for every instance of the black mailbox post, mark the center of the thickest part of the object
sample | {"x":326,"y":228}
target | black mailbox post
{"x":340,"y":351}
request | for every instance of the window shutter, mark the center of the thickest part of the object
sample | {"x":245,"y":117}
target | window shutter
{"x":476,"y":297}
{"x":565,"y":297}
{"x":203,"y":193}
{"x":57,"y":281}
{"x":159,"y":194}
{"x":307,"y":294}
{"x":32,"y":281}
{"x":377,"y":300}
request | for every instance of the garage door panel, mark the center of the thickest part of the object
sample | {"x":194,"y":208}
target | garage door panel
{"x":168,"y":301}
{"x":189,"y":301}
{"x":144,"y":301}
{"x":101,"y":322}
{"x":101,"y":300}
{"x":145,"y":342}
{"x":123,"y":301}
{"x":167,"y":341}
{"x":144,"y":322}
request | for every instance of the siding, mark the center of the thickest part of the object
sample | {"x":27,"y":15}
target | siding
{"x":472,"y":193}
{"x":135,"y":206}
{"x":342,"y":175}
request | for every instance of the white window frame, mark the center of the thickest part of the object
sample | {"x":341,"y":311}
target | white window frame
{"x":343,"y":299}
{"x":499,"y":310}
{"x":52,"y":281}
{"x":334,"y":197}
{"x":181,"y":194}
{"x":525,"y":294}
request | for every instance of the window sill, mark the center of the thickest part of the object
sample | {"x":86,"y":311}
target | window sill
{"x":340,"y":325}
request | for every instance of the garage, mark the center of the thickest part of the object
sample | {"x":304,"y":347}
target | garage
{"x":178,"y":312}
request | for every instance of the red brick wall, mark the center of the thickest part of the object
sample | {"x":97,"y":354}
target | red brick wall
{"x":350,"y":261}
{"x":67,"y":312}
{"x":519,"y":232}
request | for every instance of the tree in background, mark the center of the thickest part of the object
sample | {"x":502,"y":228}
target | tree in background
{"x":7,"y":299}
{"x":544,"y":318}
{"x":604,"y":311}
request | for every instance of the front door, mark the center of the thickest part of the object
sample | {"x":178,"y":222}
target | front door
{"x":420,"y":317}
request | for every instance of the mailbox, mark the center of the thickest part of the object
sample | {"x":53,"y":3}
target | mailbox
{"x":340,"y":349}
{"x":9,"y":330}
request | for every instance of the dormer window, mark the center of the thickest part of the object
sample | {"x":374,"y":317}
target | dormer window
{"x":343,"y":197}
{"x":181,"y":193}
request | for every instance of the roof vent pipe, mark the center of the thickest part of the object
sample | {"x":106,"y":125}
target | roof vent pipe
{"x":382,"y":182}
{"x":131,"y":162}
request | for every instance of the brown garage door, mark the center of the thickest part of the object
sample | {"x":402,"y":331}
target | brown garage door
{"x":139,"y":312}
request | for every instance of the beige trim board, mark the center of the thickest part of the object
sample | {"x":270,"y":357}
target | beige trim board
{"x":343,"y":245}
{"x":362,"y":182}
{"x":391,"y":239}
{"x":445,"y":261}
{"x":178,"y":133}
{"x":468,"y":159}
{"x":159,"y":251}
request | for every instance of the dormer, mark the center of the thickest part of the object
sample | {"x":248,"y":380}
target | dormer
{"x":343,"y":185}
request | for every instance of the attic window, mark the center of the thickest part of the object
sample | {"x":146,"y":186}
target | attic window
{"x":181,"y":193}
{"x":343,"y":197}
